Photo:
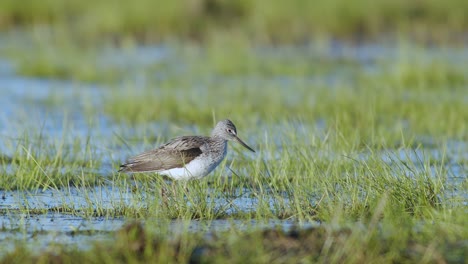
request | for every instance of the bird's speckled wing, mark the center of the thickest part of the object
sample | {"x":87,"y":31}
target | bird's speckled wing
{"x":174,"y":154}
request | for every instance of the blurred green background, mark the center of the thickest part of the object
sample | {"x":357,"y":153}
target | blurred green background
{"x":262,"y":20}
{"x":357,"y":110}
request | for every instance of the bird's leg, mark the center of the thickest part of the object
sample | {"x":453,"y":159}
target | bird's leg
{"x":174,"y":193}
{"x":164,"y":196}
{"x":185,"y":187}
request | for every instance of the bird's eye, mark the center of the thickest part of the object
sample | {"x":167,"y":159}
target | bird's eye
{"x":230,"y":131}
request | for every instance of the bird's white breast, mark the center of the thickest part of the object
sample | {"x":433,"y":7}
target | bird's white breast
{"x":197,"y":168}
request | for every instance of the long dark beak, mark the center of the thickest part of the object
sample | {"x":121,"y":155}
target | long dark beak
{"x":243,"y":144}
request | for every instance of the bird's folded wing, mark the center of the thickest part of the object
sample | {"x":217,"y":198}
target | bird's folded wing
{"x":175,"y":154}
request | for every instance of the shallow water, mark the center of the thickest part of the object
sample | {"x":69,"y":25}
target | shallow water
{"x":60,"y":109}
{"x":42,"y":231}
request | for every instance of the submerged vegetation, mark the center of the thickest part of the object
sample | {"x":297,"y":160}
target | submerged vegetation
{"x":361,"y":146}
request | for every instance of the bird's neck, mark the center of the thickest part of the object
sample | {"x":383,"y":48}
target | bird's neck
{"x":219,"y":142}
{"x":217,"y":137}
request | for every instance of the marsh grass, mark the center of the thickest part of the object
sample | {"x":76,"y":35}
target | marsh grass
{"x":383,"y":239}
{"x":309,"y":186}
{"x":38,"y":162}
{"x":376,"y":202}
